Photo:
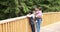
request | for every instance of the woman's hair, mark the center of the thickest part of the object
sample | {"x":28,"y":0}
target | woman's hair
{"x":34,"y":8}
{"x":40,"y":8}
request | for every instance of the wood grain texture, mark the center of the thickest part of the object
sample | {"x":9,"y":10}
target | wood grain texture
{"x":22,"y":25}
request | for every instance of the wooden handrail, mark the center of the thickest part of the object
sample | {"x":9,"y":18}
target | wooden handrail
{"x":13,"y":19}
{"x":21,"y":24}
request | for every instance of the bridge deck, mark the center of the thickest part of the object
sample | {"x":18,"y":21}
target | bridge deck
{"x":51,"y":28}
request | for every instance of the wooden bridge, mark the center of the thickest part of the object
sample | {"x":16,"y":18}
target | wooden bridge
{"x":50,"y":23}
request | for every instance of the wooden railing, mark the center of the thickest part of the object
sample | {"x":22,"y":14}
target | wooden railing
{"x":50,"y":17}
{"x":21,"y":24}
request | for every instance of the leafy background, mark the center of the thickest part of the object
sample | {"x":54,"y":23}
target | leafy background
{"x":17,"y":8}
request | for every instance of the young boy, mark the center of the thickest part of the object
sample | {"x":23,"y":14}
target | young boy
{"x":31,"y":20}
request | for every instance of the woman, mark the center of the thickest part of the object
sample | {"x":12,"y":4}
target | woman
{"x":38,"y":14}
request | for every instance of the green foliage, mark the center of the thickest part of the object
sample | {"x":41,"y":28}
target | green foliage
{"x":25,"y":8}
{"x":15,"y":8}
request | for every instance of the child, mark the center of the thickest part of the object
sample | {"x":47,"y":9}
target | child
{"x":31,"y":20}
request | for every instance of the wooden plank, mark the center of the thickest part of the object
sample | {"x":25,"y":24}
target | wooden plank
{"x":1,"y":28}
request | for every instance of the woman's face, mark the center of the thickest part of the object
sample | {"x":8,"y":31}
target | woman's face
{"x":36,"y":9}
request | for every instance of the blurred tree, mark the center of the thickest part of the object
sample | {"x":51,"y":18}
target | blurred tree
{"x":16,"y":8}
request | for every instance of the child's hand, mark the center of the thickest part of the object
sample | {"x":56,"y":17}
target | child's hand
{"x":27,"y":15}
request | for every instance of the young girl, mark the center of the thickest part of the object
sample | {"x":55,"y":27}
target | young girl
{"x":38,"y":14}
